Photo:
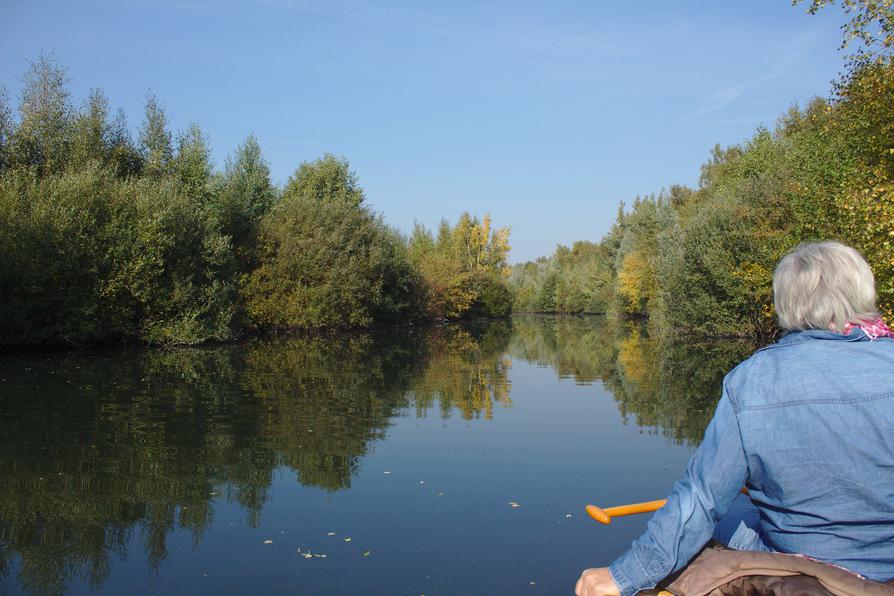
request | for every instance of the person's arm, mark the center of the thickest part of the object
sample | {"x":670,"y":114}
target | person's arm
{"x":684,"y":525}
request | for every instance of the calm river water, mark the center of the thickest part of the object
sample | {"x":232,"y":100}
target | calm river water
{"x":368,"y":464}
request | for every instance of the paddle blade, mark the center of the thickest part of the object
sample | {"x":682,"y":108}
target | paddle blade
{"x":599,"y":514}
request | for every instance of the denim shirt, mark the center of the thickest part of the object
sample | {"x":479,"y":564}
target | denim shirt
{"x":807,"y":424}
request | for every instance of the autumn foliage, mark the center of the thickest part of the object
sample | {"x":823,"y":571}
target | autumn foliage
{"x":700,"y":261}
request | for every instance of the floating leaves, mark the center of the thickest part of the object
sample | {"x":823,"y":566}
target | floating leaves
{"x":310,"y":555}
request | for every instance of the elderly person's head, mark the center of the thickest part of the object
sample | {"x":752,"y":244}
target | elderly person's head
{"x":824,"y":285}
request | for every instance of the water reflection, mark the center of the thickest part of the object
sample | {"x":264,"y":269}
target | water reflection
{"x":467,"y":370}
{"x":100,"y":451}
{"x":671,"y":385}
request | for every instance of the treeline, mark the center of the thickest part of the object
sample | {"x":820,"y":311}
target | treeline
{"x":701,"y":260}
{"x":108,"y":238}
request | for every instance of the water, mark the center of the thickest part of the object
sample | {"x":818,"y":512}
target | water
{"x":166,"y":472}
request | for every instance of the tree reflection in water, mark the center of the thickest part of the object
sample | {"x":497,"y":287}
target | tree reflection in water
{"x":670,"y":385}
{"x":100,"y":450}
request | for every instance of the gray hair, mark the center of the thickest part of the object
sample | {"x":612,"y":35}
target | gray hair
{"x":824,"y":285}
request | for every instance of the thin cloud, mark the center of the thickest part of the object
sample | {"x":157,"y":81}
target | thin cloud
{"x":750,"y":121}
{"x":794,"y":56}
{"x":720,"y":99}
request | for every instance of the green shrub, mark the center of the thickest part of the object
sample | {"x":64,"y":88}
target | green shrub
{"x":327,"y":260}
{"x":87,"y":257}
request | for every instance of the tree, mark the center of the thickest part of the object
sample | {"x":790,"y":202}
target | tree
{"x":155,"y":138}
{"x":244,"y":196}
{"x":863,"y":118}
{"x":872,"y":21}
{"x":88,"y":257}
{"x":448,"y":291}
{"x":546,"y":300}
{"x":6,"y":129}
{"x":124,"y":157}
{"x":327,"y":179}
{"x":192,"y":165}
{"x":464,"y":270}
{"x":326,"y":260}
{"x":43,"y":137}
{"x":478,"y":246}
{"x":421,"y":243}
{"x":92,"y":132}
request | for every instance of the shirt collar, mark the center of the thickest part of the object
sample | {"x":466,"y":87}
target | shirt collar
{"x":798,"y":336}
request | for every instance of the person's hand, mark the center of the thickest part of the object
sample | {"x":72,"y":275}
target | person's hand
{"x":596,"y":582}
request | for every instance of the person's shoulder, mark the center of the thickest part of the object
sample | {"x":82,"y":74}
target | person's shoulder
{"x":735,"y":380}
{"x":801,"y":365}
{"x":759,"y":370}
{"x":757,"y":359}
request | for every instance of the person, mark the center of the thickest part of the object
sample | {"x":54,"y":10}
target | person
{"x":805,"y":424}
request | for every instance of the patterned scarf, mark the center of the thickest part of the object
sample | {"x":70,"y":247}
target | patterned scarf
{"x":873,"y":328}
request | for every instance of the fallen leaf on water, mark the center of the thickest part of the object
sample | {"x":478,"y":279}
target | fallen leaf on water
{"x":366,"y":553}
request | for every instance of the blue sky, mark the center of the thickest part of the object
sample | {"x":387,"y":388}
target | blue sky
{"x":545,"y":114}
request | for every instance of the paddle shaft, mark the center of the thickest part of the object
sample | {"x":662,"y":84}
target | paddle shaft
{"x":604,"y":516}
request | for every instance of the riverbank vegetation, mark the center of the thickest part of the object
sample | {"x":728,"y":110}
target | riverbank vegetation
{"x":107,"y":238}
{"x":701,"y":260}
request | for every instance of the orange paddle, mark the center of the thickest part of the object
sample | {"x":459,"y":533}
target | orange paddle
{"x":604,"y":516}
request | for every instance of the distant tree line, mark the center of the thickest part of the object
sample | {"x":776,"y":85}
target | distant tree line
{"x":104,"y":237}
{"x":701,"y":260}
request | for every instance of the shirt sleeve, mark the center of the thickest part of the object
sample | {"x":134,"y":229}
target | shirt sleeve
{"x":677,"y":531}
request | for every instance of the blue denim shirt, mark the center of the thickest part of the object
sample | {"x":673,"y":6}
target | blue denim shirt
{"x":807,"y":424}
